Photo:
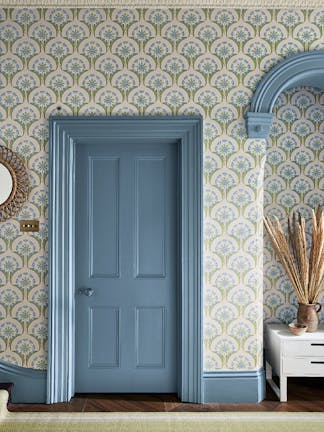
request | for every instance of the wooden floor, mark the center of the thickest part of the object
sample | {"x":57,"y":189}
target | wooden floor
{"x":304,"y":394}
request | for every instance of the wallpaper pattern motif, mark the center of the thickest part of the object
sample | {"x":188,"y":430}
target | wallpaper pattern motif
{"x":138,"y":61}
{"x":293,"y":181}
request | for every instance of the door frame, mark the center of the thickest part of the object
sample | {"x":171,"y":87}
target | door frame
{"x":63,"y":139}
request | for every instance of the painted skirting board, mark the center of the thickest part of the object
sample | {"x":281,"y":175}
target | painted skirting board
{"x":233,"y":386}
{"x":29,"y":384}
{"x":217,"y":387}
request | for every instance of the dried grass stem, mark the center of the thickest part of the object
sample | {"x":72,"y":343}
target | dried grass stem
{"x":306,"y":274}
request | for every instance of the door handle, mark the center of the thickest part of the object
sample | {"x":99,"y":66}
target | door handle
{"x":86,"y":291}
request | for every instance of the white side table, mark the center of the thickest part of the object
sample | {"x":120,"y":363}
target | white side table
{"x":288,"y":355}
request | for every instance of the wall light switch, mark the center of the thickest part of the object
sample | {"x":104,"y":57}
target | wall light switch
{"x":29,"y":225}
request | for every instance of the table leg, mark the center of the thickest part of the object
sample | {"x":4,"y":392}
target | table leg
{"x":270,"y":381}
{"x":283,"y":388}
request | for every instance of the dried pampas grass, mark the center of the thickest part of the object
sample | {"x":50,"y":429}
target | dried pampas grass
{"x":306,"y":274}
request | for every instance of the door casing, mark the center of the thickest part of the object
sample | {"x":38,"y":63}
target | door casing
{"x":64,"y":135}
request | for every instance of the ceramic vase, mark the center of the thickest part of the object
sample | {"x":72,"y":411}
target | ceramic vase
{"x":307,"y":315}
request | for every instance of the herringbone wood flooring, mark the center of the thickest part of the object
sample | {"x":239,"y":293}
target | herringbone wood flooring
{"x":304,"y":394}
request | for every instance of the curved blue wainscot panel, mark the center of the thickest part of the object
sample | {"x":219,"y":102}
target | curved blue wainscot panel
{"x":29,"y":384}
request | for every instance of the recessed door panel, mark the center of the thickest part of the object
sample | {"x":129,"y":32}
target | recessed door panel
{"x":103,"y":216}
{"x":126,"y":246}
{"x":103,"y":337}
{"x":150,"y":337}
{"x":150,"y":217}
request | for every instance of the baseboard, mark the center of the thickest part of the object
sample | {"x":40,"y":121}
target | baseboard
{"x":233,"y":386}
{"x":217,"y":387}
{"x":29,"y":384}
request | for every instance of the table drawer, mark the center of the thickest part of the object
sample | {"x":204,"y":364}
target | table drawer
{"x":300,"y":348}
{"x":303,"y":366}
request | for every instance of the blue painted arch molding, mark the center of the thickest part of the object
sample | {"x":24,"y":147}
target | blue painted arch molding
{"x":304,"y":69}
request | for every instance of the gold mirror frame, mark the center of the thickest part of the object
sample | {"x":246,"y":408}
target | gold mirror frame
{"x":20,"y":183}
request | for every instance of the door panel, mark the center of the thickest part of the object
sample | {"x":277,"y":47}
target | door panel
{"x":103,"y":217}
{"x":127,"y":253}
{"x":104,"y":352}
{"x":150,"y":337}
{"x":150,"y":217}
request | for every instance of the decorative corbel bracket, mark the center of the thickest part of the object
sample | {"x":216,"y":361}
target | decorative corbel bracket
{"x":304,"y":69}
{"x":258,"y":124}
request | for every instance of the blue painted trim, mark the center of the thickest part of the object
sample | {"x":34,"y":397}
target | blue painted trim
{"x":61,"y":267}
{"x":304,"y":69}
{"x":29,"y":384}
{"x":233,"y":386}
{"x":64,"y":135}
{"x":259,"y":124}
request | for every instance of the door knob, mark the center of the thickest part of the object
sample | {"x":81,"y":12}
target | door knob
{"x":86,"y":291}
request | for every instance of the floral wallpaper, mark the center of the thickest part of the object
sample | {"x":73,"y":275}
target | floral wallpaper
{"x":156,"y":62}
{"x":293,"y":181}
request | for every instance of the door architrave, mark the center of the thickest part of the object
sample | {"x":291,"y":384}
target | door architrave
{"x":64,"y":134}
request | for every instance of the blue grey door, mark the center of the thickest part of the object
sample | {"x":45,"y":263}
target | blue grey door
{"x":126,"y":265}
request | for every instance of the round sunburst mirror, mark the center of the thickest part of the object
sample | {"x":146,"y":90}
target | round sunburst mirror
{"x":14,"y":183}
